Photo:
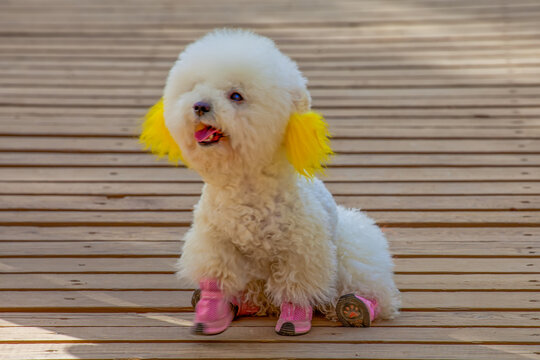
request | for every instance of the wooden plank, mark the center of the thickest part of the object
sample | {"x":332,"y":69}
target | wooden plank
{"x":134,"y":113}
{"x":322,"y":55}
{"x":352,"y":121}
{"x":405,"y":282}
{"x":317,"y":94}
{"x":317,"y":77}
{"x":181,"y":218}
{"x":16,"y":159}
{"x":340,"y":129}
{"x":141,"y":233}
{"x":148,"y":265}
{"x":152,"y":249}
{"x":411,"y":44}
{"x":370,"y":146}
{"x":112,"y":189}
{"x":408,"y":319}
{"x":314,"y":54}
{"x":129,"y":121}
{"x":179,"y":174}
{"x":183,"y":334}
{"x":130,"y":249}
{"x":477,"y":282}
{"x":258,"y":351}
{"x":338,"y":133}
{"x":403,"y":69}
{"x":435,"y":129}
{"x":121,"y":233}
{"x":117,"y":249}
{"x":288,"y":33}
{"x":307,"y":63}
{"x":178,"y":300}
{"x":161,"y":265}
{"x":186,"y":202}
{"x":286,"y":28}
{"x":183,"y":19}
{"x":340,"y":73}
{"x":66,"y":301}
{"x":320,"y":11}
{"x":453,"y":265}
{"x":166,"y":5}
{"x":337,"y":59}
{"x":450,"y":81}
{"x":312,"y":72}
{"x":95,"y":282}
{"x":526,"y":76}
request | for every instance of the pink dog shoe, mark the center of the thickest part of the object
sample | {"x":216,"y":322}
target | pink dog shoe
{"x":243,"y":307}
{"x":213,"y":313}
{"x":294,"y":320}
{"x":240,"y":306}
{"x":355,"y":311}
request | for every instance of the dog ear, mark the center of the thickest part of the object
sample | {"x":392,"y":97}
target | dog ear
{"x":307,"y":143}
{"x":156,"y":137}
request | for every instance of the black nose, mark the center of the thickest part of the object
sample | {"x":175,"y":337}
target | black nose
{"x":201,"y":108}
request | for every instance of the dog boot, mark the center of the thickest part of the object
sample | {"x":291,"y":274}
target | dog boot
{"x":213,"y":313}
{"x":294,"y":319}
{"x":356,"y":311}
{"x":195,"y":297}
{"x":243,"y":307}
{"x":240,"y":305}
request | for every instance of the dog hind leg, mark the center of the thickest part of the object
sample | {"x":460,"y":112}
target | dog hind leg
{"x":365,"y":266}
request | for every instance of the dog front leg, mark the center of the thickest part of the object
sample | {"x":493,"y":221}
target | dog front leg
{"x":219,"y":270}
{"x":297,"y":283}
{"x":207,"y":256}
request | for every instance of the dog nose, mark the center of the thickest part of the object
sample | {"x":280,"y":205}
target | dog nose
{"x":201,"y":108}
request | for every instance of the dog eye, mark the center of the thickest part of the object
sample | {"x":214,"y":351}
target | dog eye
{"x":236,"y":97}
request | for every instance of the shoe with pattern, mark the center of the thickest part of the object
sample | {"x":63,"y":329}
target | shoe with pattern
{"x":356,"y":311}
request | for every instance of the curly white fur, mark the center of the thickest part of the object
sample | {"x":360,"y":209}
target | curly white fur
{"x":259,"y":227}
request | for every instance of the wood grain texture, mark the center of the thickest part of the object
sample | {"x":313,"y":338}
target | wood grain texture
{"x":217,"y":350}
{"x":172,"y":188}
{"x":408,"y":319}
{"x":435,"y":115}
{"x":406,"y":282}
{"x":172,"y":174}
{"x":186,"y":203}
{"x":265,"y":334}
{"x":384,"y":218}
{"x":179,"y":300}
{"x":165,"y":265}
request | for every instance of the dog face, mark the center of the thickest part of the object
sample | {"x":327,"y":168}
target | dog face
{"x":228,"y":100}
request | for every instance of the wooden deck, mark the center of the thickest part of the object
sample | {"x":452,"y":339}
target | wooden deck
{"x":435,"y":108}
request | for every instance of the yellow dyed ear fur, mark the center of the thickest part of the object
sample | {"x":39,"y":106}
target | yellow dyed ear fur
{"x":156,"y":137}
{"x":307,"y":143}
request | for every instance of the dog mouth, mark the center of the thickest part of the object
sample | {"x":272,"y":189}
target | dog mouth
{"x":207,"y":135}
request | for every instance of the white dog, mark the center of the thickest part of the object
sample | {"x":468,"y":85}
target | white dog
{"x":266,"y":234}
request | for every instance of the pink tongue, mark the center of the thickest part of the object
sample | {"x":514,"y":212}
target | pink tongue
{"x":205,"y":133}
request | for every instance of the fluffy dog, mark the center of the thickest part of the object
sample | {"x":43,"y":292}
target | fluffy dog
{"x":266,"y":233}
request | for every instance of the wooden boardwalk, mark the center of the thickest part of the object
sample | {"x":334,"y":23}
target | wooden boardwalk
{"x":435,"y":110}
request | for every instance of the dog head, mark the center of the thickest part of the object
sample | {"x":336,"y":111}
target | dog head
{"x":234,"y":103}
